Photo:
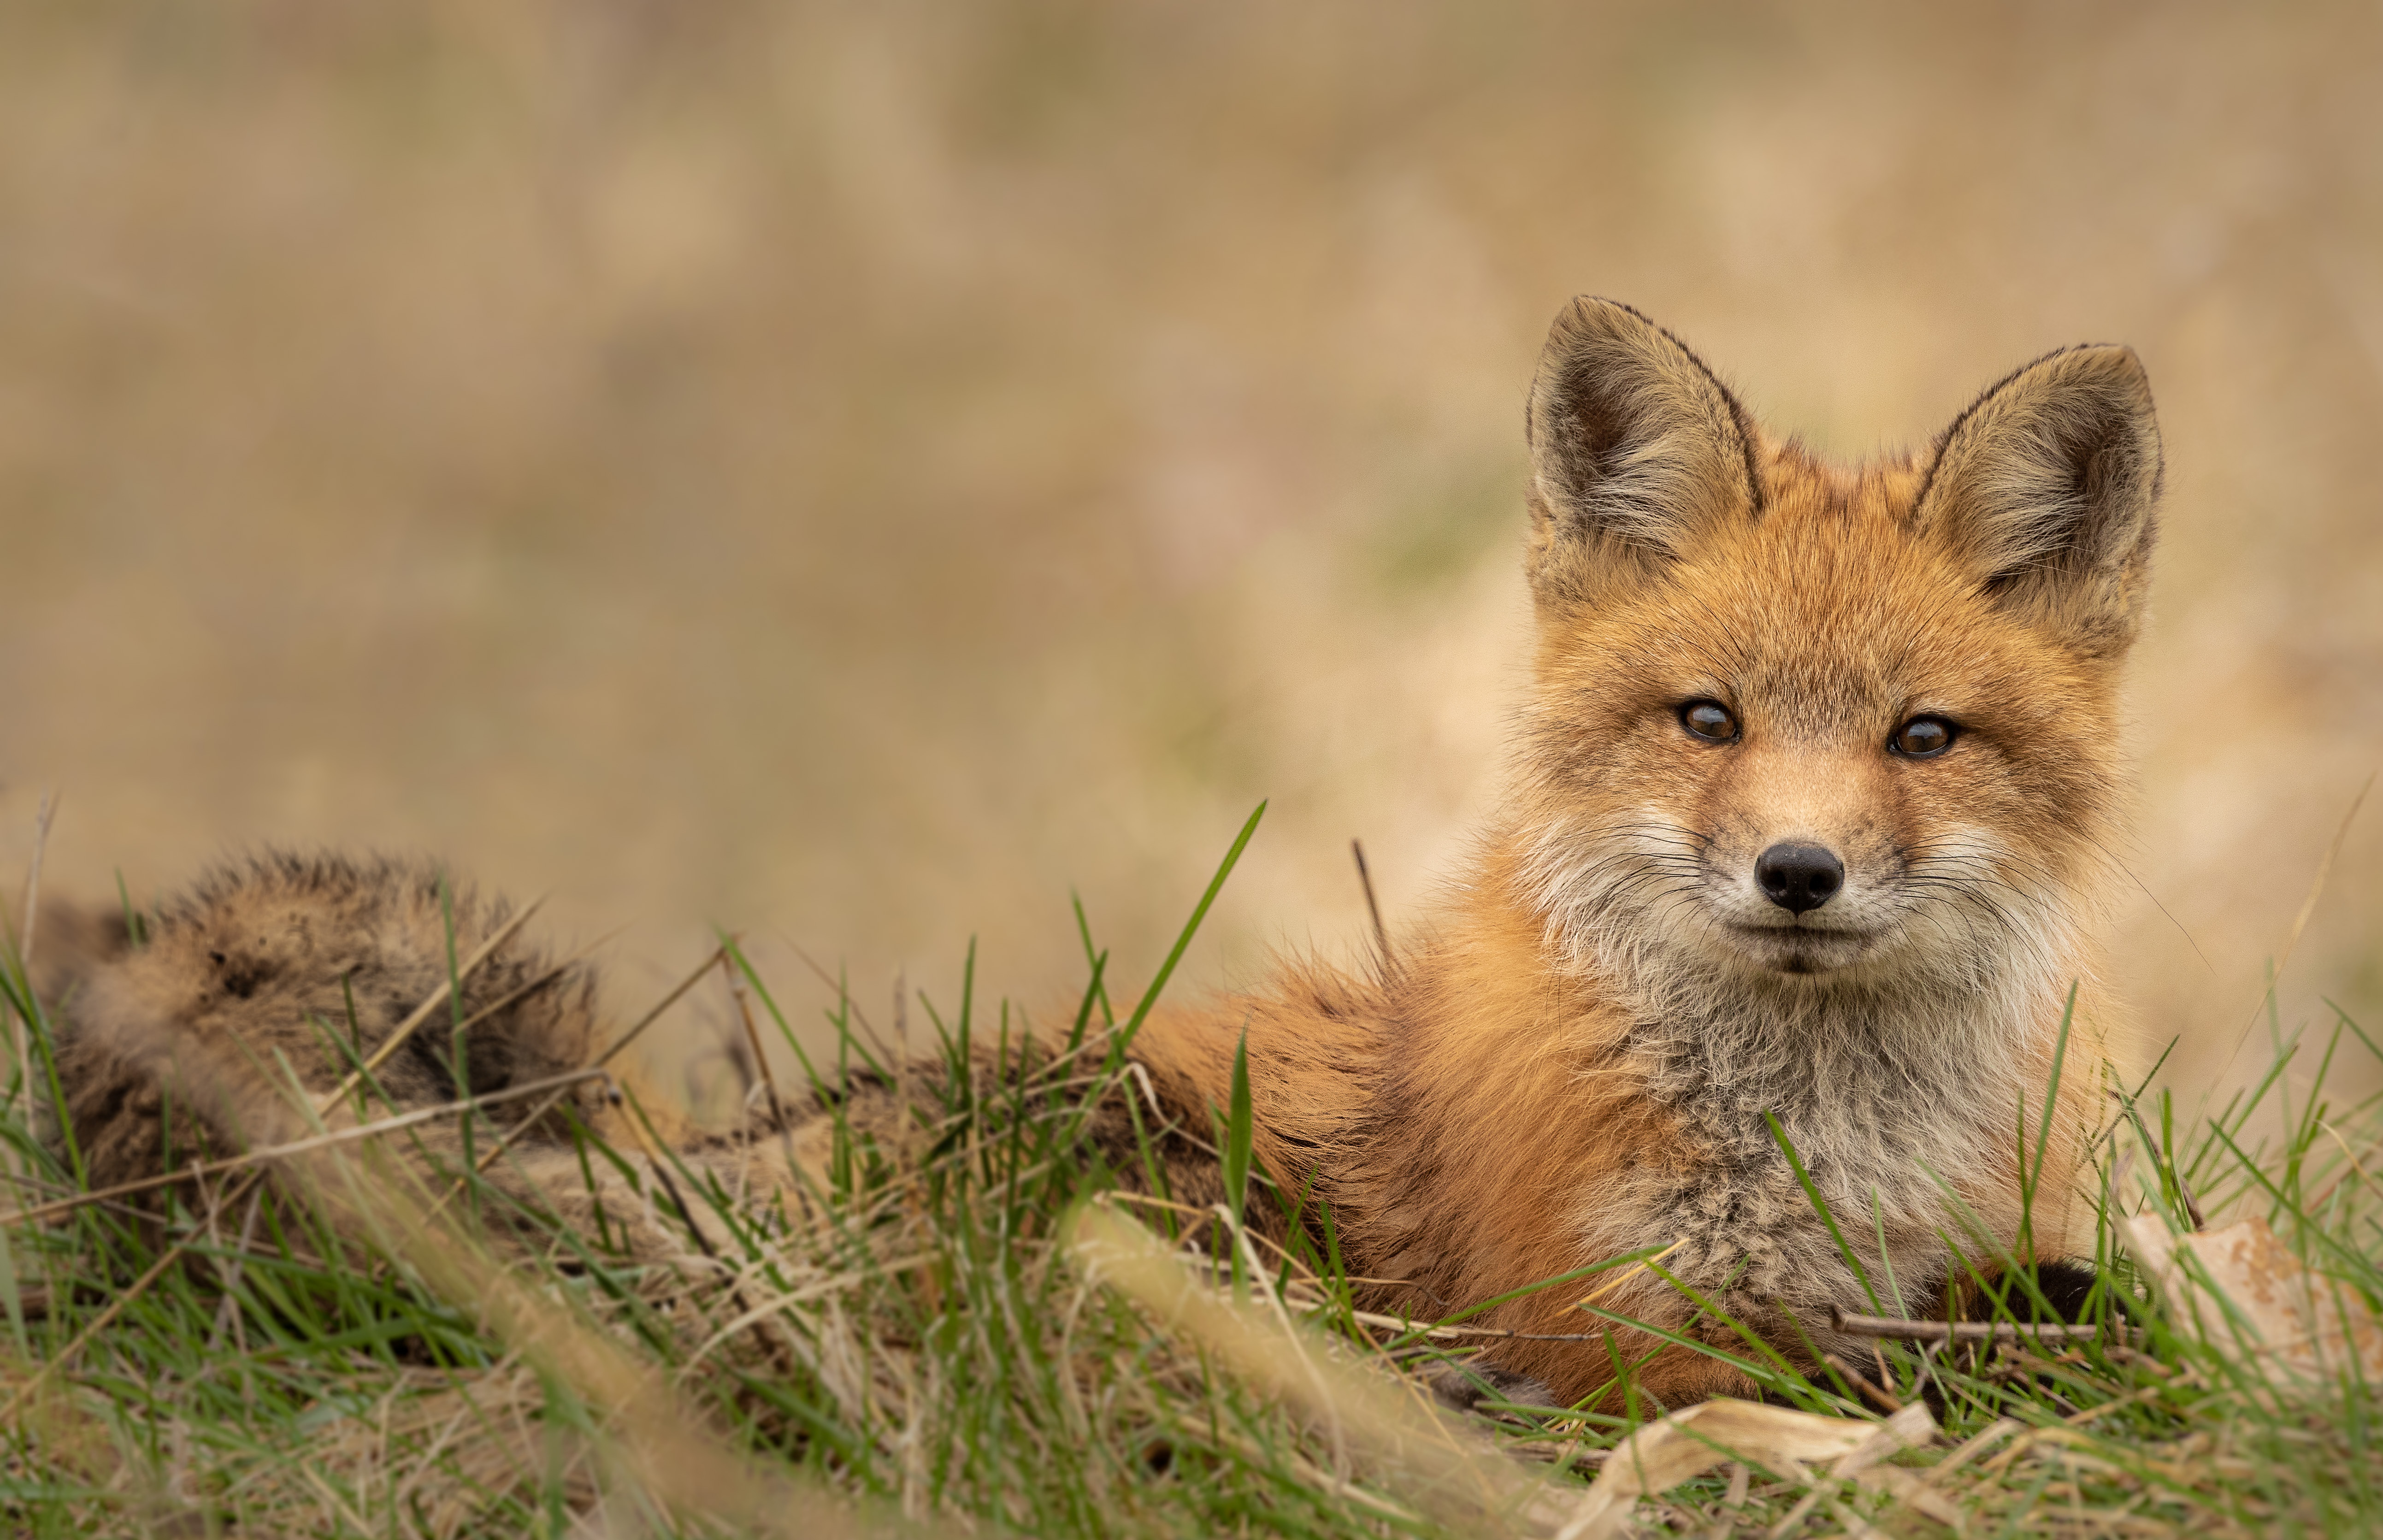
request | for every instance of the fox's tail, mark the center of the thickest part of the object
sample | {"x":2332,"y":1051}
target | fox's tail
{"x":71,"y":943}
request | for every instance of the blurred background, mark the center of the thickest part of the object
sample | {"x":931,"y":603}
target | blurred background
{"x":858,"y":473}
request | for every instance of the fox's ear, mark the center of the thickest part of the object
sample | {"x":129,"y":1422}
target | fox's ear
{"x":1634,"y":448}
{"x":2046,"y":487}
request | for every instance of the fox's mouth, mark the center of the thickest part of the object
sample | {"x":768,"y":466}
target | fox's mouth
{"x":1797,"y":949}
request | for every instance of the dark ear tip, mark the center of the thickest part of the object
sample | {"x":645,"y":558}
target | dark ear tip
{"x":2114,"y":366}
{"x":1593,"y":316}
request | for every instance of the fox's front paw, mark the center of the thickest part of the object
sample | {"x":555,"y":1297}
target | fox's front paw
{"x":1465,"y":1386}
{"x":2065,"y":1285}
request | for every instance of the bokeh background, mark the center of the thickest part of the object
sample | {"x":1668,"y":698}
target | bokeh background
{"x":856,"y":473}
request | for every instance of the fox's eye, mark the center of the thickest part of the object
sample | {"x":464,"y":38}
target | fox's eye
{"x":1709,"y":720}
{"x":1922,"y":738}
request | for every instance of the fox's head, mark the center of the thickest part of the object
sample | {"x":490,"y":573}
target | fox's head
{"x":1809,"y":728}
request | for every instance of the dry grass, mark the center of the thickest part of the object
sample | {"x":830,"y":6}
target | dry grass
{"x":957,"y":1326}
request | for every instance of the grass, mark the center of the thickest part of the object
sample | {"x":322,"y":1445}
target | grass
{"x":920,"y":1339}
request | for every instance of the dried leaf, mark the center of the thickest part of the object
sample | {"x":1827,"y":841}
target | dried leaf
{"x":2267,"y":1306}
{"x":1692,"y":1441}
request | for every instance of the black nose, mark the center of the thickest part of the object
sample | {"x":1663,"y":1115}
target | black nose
{"x":1799,"y":877}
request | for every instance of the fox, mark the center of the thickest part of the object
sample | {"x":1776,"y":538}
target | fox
{"x":1774,"y":966}
{"x":1807,"y":838}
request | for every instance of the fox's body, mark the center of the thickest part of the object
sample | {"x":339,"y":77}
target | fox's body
{"x":1809,"y":814}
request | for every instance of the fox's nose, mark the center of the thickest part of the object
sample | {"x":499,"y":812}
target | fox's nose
{"x":1799,"y":877}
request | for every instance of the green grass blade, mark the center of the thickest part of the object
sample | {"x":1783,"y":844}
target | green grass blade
{"x":1821,"y":1207}
{"x":1191,"y":928}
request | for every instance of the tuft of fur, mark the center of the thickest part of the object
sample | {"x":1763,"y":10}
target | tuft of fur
{"x":260,"y":989}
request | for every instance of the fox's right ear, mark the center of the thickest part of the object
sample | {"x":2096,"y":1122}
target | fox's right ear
{"x":1635,"y":446}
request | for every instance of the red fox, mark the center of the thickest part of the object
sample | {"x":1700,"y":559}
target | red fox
{"x":1809,"y":815}
{"x":1808,"y":823}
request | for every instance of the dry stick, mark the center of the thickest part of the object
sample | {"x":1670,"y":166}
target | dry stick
{"x":1365,"y":878}
{"x":1965,"y":1331}
{"x":406,"y":1028}
{"x":738,"y":993}
{"x":33,"y":875}
{"x":548,"y":977}
{"x":173,"y":1253}
{"x":777,"y":1350}
{"x":1860,"y":1382}
{"x":1500,"y":1333}
{"x":2357,"y":1167}
{"x":22,"y":1040}
{"x":2300,"y":921}
{"x":271,"y":1152}
{"x":901,"y":1036}
{"x":842,"y":993}
{"x":753,"y":1038}
{"x":527,"y":1124}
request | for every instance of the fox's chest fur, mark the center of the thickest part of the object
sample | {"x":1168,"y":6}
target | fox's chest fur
{"x":1483,"y":1118}
{"x":1805,"y":826}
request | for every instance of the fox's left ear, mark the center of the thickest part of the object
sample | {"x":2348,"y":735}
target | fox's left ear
{"x":2046,"y":487}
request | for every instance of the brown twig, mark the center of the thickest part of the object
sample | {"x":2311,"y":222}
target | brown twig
{"x":271,"y":1152}
{"x":422,"y":1012}
{"x":667,"y":1001}
{"x":753,"y":1039}
{"x":1381,"y":935}
{"x":548,"y":977}
{"x":777,"y":1350}
{"x":2300,"y":921}
{"x":505,"y":1140}
{"x":2357,"y":1167}
{"x":20,"y":1040}
{"x":1885,"y":1400}
{"x":1966,"y":1331}
{"x":33,"y":878}
{"x":843,"y":994}
{"x":1501,"y":1334}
